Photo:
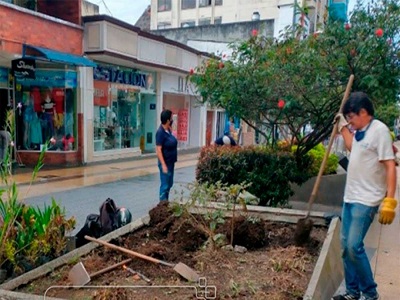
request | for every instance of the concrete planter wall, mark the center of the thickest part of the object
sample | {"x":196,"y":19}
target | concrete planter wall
{"x":330,"y":192}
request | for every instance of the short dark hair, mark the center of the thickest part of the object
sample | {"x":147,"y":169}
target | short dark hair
{"x":358,"y":101}
{"x":165,"y":116}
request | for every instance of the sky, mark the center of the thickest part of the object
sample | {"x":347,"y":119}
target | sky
{"x":125,"y":10}
{"x":130,"y":10}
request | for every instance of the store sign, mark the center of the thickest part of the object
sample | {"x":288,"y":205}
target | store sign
{"x":183,"y":118}
{"x":52,"y":78}
{"x":100,"y":94}
{"x":117,"y":75}
{"x":24,"y":68}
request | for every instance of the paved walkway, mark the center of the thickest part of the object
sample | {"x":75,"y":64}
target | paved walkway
{"x":134,"y":184}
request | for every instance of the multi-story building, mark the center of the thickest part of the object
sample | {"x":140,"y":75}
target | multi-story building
{"x":186,"y":13}
{"x":89,"y":89}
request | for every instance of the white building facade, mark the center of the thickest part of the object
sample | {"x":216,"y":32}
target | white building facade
{"x":187,"y":13}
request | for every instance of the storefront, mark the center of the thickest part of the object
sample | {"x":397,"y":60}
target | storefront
{"x":47,"y":93}
{"x":188,"y":114}
{"x":124,"y":111}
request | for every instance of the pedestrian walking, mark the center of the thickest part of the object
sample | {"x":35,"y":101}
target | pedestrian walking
{"x":370,"y":183}
{"x":167,"y":153}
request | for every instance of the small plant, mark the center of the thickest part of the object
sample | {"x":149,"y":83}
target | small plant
{"x":225,"y":197}
{"x":28,"y":236}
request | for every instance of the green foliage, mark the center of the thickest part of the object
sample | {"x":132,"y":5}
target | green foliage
{"x":317,"y":154}
{"x":270,"y":171}
{"x":309,"y":74}
{"x":27,"y":234}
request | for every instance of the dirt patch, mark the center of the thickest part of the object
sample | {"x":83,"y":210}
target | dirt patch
{"x":272,"y":268}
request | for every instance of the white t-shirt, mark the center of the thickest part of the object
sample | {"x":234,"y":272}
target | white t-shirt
{"x":366,"y":175}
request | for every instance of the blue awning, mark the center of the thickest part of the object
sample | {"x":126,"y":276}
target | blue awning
{"x":55,"y":56}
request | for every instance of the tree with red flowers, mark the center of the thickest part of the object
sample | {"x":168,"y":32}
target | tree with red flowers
{"x":309,"y":75}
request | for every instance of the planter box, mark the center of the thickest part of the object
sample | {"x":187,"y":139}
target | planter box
{"x":325,"y":280}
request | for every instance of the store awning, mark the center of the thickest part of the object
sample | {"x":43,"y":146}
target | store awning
{"x":55,"y":56}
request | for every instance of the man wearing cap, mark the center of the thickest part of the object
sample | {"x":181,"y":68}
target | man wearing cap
{"x":226,"y":139}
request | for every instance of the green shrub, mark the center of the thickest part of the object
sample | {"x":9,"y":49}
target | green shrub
{"x":268,"y":171}
{"x":317,"y":155}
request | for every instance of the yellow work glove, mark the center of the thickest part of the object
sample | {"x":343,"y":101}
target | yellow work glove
{"x":387,"y":213}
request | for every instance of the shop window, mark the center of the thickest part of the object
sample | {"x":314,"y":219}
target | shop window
{"x":186,"y":24}
{"x":204,"y":21}
{"x":218,"y":2}
{"x":118,"y":122}
{"x":187,"y":4}
{"x":218,"y":20}
{"x":163,"y":25}
{"x":204,"y":3}
{"x":46,"y":111}
{"x":164,"y":5}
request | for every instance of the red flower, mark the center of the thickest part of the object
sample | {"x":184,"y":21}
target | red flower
{"x":379,"y":32}
{"x":220,"y":65}
{"x":254,"y":32}
{"x":281,"y":103}
{"x":347,"y":26}
{"x":191,"y":72}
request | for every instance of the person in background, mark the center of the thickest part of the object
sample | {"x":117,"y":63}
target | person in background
{"x":167,"y":153}
{"x":370,"y":183}
{"x":226,"y":139}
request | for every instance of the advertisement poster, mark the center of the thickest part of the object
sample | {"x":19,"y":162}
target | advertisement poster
{"x":183,"y":117}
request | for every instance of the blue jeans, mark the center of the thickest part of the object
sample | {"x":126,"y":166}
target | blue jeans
{"x":167,"y":180}
{"x":356,"y":220}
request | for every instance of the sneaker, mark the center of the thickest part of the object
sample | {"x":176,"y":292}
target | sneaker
{"x":363,"y":297}
{"x":346,"y":296}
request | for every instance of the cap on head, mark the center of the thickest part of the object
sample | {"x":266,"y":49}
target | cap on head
{"x":226,"y":140}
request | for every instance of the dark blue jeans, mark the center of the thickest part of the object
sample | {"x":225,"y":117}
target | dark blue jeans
{"x":356,"y":220}
{"x":167,"y":180}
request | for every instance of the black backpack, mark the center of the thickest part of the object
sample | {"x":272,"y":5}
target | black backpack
{"x":108,"y":216}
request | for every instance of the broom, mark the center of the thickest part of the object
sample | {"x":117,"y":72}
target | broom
{"x":305,"y":225}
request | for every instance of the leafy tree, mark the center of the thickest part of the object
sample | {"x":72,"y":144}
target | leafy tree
{"x":308,"y":75}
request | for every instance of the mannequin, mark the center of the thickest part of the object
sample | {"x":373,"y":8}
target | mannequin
{"x":49,"y":110}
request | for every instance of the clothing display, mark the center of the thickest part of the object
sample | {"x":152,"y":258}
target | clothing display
{"x":44,"y":116}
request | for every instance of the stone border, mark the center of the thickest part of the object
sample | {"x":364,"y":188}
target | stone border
{"x":266,"y":213}
{"x":326,"y":278}
{"x":70,"y":256}
{"x":328,"y":272}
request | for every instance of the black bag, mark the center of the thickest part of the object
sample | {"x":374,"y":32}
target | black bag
{"x":91,"y":228}
{"x":108,"y":216}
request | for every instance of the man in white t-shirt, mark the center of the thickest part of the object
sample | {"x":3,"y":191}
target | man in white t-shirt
{"x":371,"y":182}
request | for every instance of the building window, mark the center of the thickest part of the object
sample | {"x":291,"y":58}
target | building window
{"x":218,"y":20}
{"x":205,"y":21}
{"x":186,"y":24}
{"x":187,"y":4}
{"x":163,"y":25}
{"x":164,"y":5}
{"x":218,"y":2}
{"x":204,"y":3}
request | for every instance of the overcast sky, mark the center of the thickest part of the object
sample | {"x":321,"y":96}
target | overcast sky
{"x":125,"y":10}
{"x":130,"y":10}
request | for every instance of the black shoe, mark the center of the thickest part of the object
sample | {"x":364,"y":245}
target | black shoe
{"x":346,"y":296}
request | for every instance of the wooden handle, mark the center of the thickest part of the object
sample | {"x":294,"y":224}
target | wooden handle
{"x":129,"y":252}
{"x":328,"y":150}
{"x":105,"y":270}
